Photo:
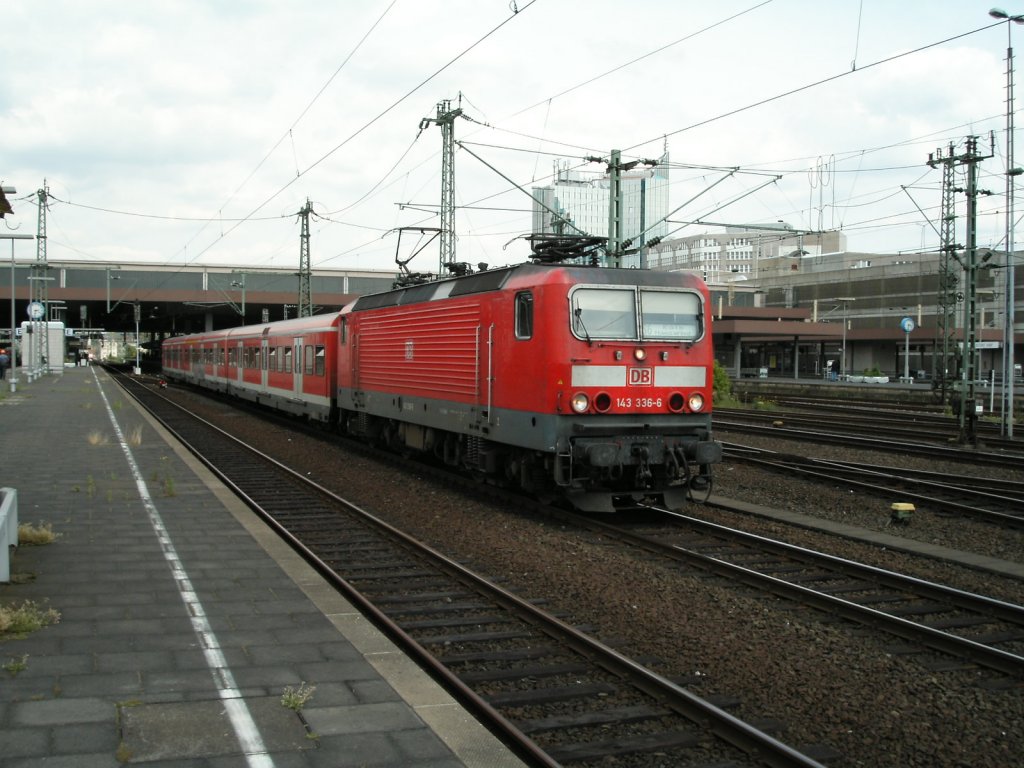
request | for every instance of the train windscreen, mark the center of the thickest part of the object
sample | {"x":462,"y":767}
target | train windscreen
{"x":629,"y":314}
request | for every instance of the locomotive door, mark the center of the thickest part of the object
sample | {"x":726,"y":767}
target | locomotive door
{"x":297,"y":365}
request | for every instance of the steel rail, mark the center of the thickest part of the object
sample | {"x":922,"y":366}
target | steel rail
{"x":992,"y":658}
{"x":931,"y":450}
{"x":788,"y":464}
{"x":731,"y":729}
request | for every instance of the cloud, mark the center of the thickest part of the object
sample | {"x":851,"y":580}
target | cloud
{"x":214,"y":112}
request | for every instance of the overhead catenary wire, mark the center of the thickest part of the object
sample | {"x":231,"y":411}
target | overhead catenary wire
{"x":398,"y":165}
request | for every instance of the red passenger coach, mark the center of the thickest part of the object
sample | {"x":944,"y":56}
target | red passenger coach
{"x":588,"y":382}
{"x":288,"y":365}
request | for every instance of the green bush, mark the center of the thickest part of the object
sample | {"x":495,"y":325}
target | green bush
{"x":721,"y":394}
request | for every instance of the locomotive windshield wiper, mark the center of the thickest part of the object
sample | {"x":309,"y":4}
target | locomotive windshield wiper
{"x":579,"y":320}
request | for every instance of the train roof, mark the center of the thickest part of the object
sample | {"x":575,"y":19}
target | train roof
{"x":521,"y":276}
{"x":297,"y":325}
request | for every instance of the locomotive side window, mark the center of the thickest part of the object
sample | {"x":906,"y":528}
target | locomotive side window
{"x":524,"y":315}
{"x":604,"y":313}
{"x":671,"y":315}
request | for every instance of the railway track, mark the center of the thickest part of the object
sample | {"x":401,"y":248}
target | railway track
{"x":963,"y":627}
{"x":556,"y":695}
{"x":777,"y":428}
{"x":908,"y":424}
{"x":1000,"y":502}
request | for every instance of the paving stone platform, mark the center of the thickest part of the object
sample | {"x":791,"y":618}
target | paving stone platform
{"x":183,"y":620}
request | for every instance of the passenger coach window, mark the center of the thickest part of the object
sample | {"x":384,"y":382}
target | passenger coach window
{"x":671,"y":315}
{"x":320,"y":360}
{"x":524,"y":315}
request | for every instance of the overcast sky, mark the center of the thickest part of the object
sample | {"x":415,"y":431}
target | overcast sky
{"x":189,"y":132}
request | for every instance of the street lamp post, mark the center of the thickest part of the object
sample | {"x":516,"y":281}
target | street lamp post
{"x":14,"y":327}
{"x":109,"y":278}
{"x":240,"y":283}
{"x":1011,"y":171}
{"x":138,"y":341}
{"x":842,"y":367}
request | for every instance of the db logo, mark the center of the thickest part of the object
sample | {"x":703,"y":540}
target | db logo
{"x":641,"y":376}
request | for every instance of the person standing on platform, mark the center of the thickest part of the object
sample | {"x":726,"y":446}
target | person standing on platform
{"x":5,"y":362}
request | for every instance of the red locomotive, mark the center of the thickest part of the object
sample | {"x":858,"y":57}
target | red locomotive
{"x":580,"y":381}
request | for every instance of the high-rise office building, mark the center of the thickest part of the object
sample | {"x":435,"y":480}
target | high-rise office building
{"x":577,"y":203}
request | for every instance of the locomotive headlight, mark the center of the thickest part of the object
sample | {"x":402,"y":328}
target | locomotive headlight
{"x":695,"y":402}
{"x":640,"y":353}
{"x":580,"y":402}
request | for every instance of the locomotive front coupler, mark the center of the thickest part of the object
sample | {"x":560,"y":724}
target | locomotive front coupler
{"x":643,"y":469}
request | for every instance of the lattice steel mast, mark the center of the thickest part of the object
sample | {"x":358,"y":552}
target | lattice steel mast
{"x":446,"y":119}
{"x":305,"y":270}
{"x":39,"y":292}
{"x":945,"y":318}
{"x":965,"y":402}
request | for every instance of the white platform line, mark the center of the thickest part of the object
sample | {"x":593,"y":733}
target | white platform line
{"x":245,"y":727}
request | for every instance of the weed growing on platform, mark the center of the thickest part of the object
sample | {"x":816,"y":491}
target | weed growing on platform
{"x":25,"y":618}
{"x":98,"y":438}
{"x":169,"y":486}
{"x":135,"y":436}
{"x":296,"y":698}
{"x":34,"y":536}
{"x":90,"y":486}
{"x":14,"y":666}
{"x":124,"y":753}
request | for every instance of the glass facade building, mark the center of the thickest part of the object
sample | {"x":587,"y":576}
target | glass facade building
{"x":577,"y":203}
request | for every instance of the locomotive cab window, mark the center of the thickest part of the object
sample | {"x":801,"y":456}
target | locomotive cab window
{"x":604,"y":313}
{"x":671,"y":315}
{"x":631,"y":314}
{"x":524,"y":315}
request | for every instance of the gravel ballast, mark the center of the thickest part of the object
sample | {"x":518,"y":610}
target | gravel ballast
{"x":829,"y":682}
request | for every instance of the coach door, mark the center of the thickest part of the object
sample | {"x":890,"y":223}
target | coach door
{"x":297,"y":366}
{"x":264,"y":355}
